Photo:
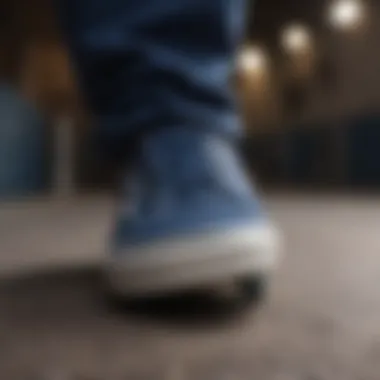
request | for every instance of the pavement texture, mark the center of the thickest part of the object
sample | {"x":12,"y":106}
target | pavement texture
{"x":321,"y":320}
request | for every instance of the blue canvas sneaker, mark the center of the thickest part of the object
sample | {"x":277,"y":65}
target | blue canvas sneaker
{"x":189,"y":218}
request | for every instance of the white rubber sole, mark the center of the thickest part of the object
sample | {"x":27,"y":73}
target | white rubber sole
{"x":195,"y":262}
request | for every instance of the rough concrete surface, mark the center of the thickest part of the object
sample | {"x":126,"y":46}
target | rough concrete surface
{"x":321,"y":321}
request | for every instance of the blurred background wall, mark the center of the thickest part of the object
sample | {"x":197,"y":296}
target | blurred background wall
{"x":308,"y":81}
{"x":312,"y":99}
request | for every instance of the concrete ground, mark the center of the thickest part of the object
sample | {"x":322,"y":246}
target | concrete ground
{"x":322,"y":320}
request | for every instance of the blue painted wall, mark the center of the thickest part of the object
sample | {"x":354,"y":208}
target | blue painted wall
{"x":23,"y":147}
{"x":363,"y":151}
{"x":304,"y":153}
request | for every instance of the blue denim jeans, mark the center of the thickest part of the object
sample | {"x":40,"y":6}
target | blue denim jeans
{"x":148,"y":64}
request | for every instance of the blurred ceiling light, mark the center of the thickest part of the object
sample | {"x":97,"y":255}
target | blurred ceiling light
{"x":296,"y":38}
{"x":252,"y":60}
{"x":346,"y":14}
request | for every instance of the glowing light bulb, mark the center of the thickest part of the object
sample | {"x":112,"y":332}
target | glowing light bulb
{"x":296,"y":38}
{"x":252,"y":60}
{"x":346,"y":14}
